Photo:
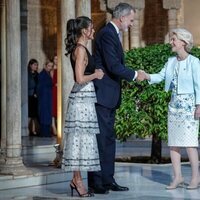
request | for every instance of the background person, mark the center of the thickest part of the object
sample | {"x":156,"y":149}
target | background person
{"x":44,"y":91}
{"x":32,"y":97}
{"x":54,"y":93}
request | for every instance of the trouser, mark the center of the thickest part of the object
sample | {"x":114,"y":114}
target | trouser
{"x":106,"y":145}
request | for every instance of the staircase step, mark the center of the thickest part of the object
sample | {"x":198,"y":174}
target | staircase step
{"x":38,"y":155}
{"x":46,"y":176}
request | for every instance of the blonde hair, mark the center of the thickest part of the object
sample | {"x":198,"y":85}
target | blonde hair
{"x":184,"y":35}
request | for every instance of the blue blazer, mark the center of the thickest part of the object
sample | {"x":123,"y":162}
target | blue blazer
{"x":109,"y":57}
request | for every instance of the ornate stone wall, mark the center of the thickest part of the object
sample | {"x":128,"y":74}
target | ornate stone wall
{"x":98,"y":16}
{"x":155,"y":25}
{"x":42,"y":29}
{"x":191,"y":17}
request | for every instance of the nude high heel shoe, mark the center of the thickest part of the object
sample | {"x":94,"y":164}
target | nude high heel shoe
{"x":175,"y":184}
{"x":193,"y":186}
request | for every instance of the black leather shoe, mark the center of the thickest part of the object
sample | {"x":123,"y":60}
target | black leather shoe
{"x":115,"y":187}
{"x":98,"y":190}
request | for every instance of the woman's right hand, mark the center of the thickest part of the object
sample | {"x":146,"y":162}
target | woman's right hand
{"x":99,"y":73}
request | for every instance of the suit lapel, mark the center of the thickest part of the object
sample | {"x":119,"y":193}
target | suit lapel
{"x":118,"y":42}
{"x":113,"y":30}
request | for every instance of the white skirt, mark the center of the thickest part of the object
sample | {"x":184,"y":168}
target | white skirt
{"x":80,"y":150}
{"x":183,"y":129}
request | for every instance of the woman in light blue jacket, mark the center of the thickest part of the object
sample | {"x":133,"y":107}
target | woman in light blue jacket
{"x":182,"y":76}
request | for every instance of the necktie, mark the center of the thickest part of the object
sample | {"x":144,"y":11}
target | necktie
{"x":120,"y":37}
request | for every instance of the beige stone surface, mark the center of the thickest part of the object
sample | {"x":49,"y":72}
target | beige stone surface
{"x":138,"y":4}
{"x":171,"y":4}
{"x":191,"y":18}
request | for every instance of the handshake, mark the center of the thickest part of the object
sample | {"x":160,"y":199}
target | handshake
{"x":142,"y":75}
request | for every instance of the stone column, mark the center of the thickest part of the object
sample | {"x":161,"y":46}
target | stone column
{"x":142,"y":42}
{"x":83,"y":8}
{"x":125,"y":41}
{"x":24,"y":63}
{"x":135,"y":32}
{"x":180,"y":16}
{"x":3,"y":81}
{"x":102,"y":5}
{"x":13,"y":161}
{"x":67,"y":12}
{"x":172,"y":18}
{"x":172,"y":6}
{"x":59,"y":75}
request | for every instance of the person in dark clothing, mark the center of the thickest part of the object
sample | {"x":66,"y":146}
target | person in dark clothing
{"x":44,"y":92}
{"x":109,"y":57}
{"x":32,"y":96}
{"x":54,"y":93}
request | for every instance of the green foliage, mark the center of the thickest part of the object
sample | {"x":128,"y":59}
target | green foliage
{"x":143,"y":111}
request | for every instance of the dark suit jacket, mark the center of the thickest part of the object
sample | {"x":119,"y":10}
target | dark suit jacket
{"x":109,"y":57}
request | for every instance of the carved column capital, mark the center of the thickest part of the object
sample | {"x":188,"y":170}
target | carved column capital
{"x":171,"y":4}
{"x":102,"y":5}
{"x":137,"y":4}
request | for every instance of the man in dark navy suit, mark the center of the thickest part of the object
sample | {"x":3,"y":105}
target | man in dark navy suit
{"x":109,"y":57}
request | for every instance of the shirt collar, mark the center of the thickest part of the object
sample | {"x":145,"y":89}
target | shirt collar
{"x":115,"y":26}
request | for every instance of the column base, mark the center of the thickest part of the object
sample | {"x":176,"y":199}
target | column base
{"x":14,"y":166}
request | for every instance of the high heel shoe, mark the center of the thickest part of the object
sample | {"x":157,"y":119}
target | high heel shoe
{"x":33,"y":133}
{"x":193,"y":186}
{"x":74,"y":187}
{"x":175,"y":184}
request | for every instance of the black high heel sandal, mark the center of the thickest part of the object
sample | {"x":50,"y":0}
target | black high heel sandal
{"x":74,"y":187}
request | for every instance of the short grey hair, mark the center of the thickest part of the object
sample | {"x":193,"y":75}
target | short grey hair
{"x":122,"y":9}
{"x":184,"y":35}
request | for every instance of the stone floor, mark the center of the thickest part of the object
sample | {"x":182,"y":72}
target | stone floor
{"x":145,"y":181}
